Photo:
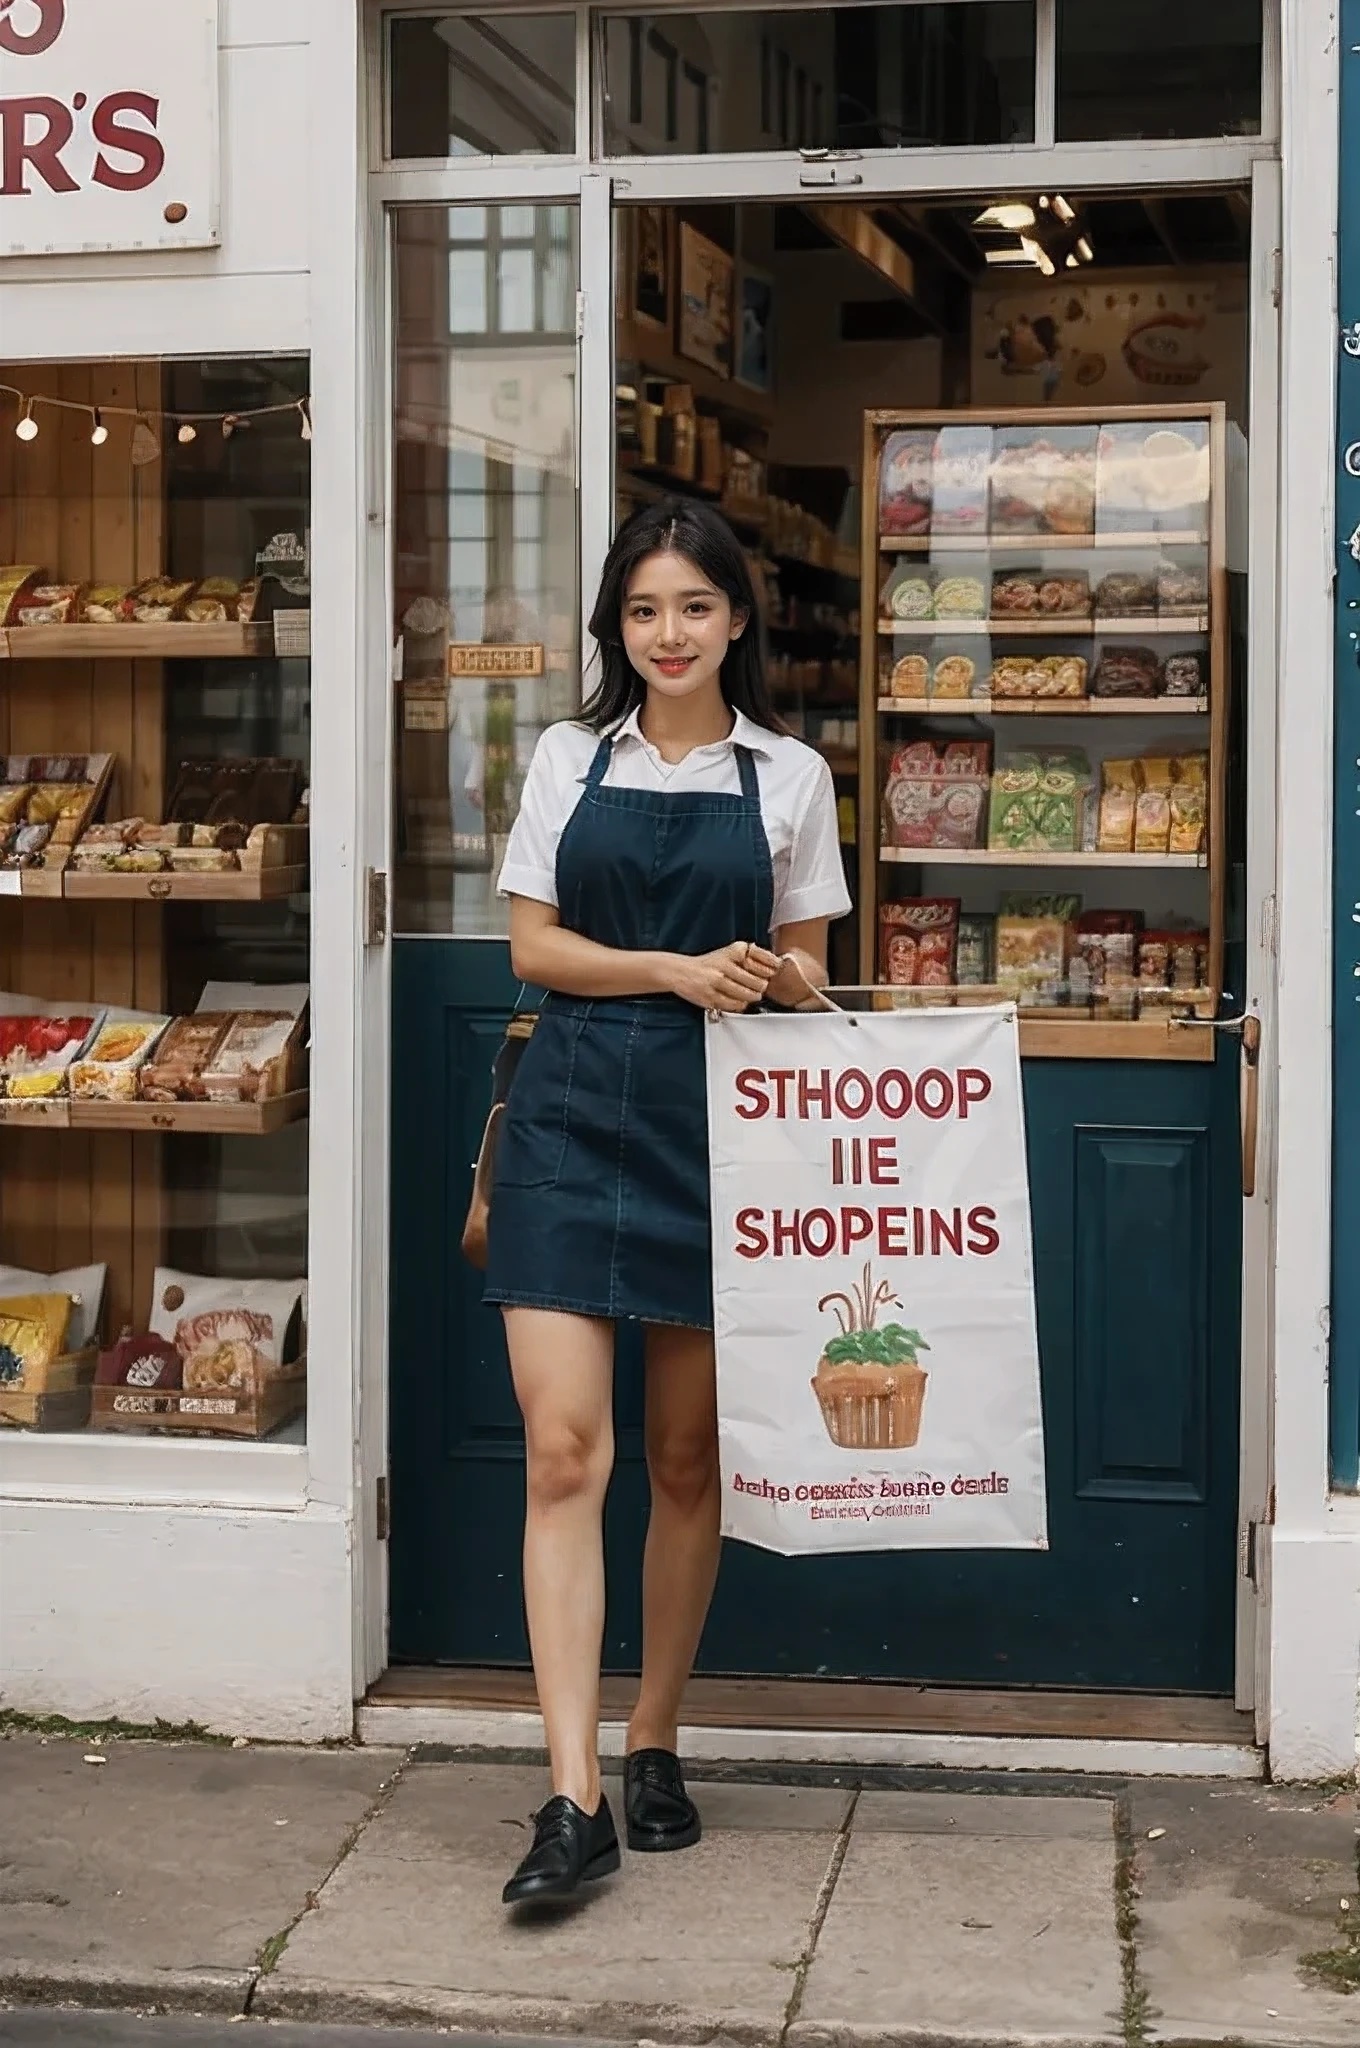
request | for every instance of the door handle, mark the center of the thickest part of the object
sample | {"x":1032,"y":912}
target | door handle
{"x":1247,"y":1027}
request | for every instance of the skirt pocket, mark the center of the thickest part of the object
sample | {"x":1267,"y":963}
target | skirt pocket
{"x":533,"y":1138}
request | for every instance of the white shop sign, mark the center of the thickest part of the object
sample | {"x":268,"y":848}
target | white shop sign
{"x":108,"y":125}
{"x":878,"y":1367}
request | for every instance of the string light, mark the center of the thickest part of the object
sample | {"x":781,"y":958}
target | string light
{"x":230,"y":422}
{"x":146,"y":446}
{"x":187,"y":432}
{"x":305,"y":413}
{"x":27,"y":429}
{"x":99,"y":433}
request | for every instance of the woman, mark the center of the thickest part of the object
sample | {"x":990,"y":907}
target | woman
{"x":676,"y":852}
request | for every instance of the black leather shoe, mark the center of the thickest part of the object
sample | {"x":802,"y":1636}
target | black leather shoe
{"x":659,"y":1812}
{"x":570,"y":1848}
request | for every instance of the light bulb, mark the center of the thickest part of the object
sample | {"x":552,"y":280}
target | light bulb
{"x":188,"y":432}
{"x":228,"y":426}
{"x":27,"y":429}
{"x":99,"y":433}
{"x":306,"y":419}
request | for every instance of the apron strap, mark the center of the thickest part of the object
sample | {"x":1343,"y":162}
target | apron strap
{"x":599,"y":767}
{"x":746,"y":769}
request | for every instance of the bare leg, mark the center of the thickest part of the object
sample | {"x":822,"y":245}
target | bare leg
{"x":563,"y":1372}
{"x":680,"y":1563}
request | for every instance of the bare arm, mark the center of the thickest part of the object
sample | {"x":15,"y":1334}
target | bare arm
{"x":544,"y":952}
{"x":802,"y":952}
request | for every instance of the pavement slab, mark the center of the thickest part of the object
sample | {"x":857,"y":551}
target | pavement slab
{"x":164,"y":1870}
{"x":1235,"y":1884}
{"x":680,"y":1947}
{"x":955,"y":1919}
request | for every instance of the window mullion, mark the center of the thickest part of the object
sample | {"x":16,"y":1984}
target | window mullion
{"x":1045,"y":72}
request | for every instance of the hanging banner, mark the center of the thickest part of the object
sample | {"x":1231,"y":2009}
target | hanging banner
{"x":878,"y":1367}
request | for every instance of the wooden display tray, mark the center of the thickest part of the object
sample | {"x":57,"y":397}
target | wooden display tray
{"x":1045,"y":543}
{"x":280,"y":873}
{"x":135,"y":643}
{"x":1004,"y":857}
{"x":62,"y":1402}
{"x":215,"y":1119}
{"x":1053,"y":1034}
{"x":1047,"y":707}
{"x":46,"y":880}
{"x":1189,"y":623}
{"x":156,"y":1410}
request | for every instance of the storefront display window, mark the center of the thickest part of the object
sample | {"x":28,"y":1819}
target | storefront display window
{"x":154,"y":896}
{"x":483,"y":85}
{"x":486,"y":631}
{"x":1165,"y":70}
{"x":897,"y":77}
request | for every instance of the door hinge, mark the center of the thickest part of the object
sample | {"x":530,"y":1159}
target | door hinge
{"x":1270,"y":930}
{"x":1250,"y":1540}
{"x":580,"y":316}
{"x":382,"y":1509}
{"x":1276,"y":277}
{"x":375,"y":907}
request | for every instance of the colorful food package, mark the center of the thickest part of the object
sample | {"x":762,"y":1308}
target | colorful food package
{"x":108,"y":1071}
{"x":1039,"y":801}
{"x":1042,"y":903}
{"x":905,"y":482}
{"x":1044,"y":482}
{"x":908,"y":594}
{"x":1170,"y":964}
{"x":91,"y":859}
{"x":175,"y":1071}
{"x":1048,"y":675}
{"x":163,"y":836}
{"x":936,"y":795}
{"x":47,"y":604}
{"x":32,"y":1336}
{"x":105,"y":604}
{"x":1127,"y":672}
{"x":954,"y":675}
{"x":910,"y":676}
{"x":1107,"y":947}
{"x":247,"y":601}
{"x":1015,"y":593}
{"x":1182,"y":593}
{"x":203,"y":860}
{"x":1189,"y":804}
{"x":16,"y":582}
{"x":62,"y":806}
{"x":1152,"y":815}
{"x":232,"y":1335}
{"x":1183,"y":675}
{"x":214,"y":602}
{"x":83,"y":1288}
{"x":1119,"y":785}
{"x":1123,"y":595}
{"x":960,"y":597}
{"x":113,"y":835}
{"x":1152,"y":480}
{"x":1065,"y":597}
{"x":36,"y":1054}
{"x":918,"y":938}
{"x":14,"y":798}
{"x":258,"y":1056}
{"x":158,"y":600}
{"x":960,"y":480}
{"x":143,"y":1360}
{"x":1031,"y":956}
{"x":975,"y":958}
{"x":23,"y":845}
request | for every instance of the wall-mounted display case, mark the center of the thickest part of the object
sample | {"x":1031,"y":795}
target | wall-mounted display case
{"x":1043,"y":721}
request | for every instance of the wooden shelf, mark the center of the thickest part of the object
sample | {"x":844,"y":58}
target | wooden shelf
{"x":266,"y":885}
{"x":135,"y":643}
{"x":1046,"y":707}
{"x":1046,"y":543}
{"x":1196,"y":623}
{"x":220,"y":1119}
{"x":1087,"y":1038}
{"x":989,"y":857}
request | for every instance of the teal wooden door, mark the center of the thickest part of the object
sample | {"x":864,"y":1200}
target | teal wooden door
{"x":1135,"y":1173}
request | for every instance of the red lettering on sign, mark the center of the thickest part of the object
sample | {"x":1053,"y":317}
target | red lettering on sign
{"x":51,"y":22}
{"x":134,"y":142}
{"x":983,"y":1236}
{"x":754,"y":1101}
{"x":974,"y":1086}
{"x":883,"y":1162}
{"x":42,"y":151}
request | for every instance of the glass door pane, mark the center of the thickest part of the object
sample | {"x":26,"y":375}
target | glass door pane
{"x":487,"y":626}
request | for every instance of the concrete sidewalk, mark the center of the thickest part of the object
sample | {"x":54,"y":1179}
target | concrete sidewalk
{"x":364,"y":1885}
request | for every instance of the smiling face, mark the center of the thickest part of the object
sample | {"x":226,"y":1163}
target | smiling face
{"x":677,"y":626}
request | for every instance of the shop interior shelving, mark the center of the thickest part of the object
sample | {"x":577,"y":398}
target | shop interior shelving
{"x":887,"y":720}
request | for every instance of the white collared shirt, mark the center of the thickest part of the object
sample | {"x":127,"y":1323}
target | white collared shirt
{"x":797,"y":806}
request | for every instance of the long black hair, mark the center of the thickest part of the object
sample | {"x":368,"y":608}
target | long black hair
{"x":688,"y":527}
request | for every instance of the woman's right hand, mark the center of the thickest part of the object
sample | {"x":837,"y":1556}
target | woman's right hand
{"x":734,"y":978}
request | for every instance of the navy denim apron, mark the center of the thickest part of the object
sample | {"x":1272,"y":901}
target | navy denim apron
{"x":601,"y":1199}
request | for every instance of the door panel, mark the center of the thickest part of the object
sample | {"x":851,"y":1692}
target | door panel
{"x":1135,"y":1176}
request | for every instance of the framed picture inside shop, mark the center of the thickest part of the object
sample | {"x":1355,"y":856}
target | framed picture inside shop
{"x":755,"y":329}
{"x":705,"y":324}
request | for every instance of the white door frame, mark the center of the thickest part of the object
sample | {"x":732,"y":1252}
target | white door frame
{"x":939,"y":174}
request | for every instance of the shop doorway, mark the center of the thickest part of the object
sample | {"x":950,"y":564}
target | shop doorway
{"x":836,"y":308}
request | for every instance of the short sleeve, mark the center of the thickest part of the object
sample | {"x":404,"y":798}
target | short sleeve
{"x":548,"y":799}
{"x":815,"y":884}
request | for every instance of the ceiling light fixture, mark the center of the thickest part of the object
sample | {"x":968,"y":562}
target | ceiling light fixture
{"x":1009,"y":216}
{"x":1085,"y":251}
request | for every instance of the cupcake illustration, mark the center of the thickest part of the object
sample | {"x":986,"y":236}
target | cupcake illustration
{"x":868,"y":1384}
